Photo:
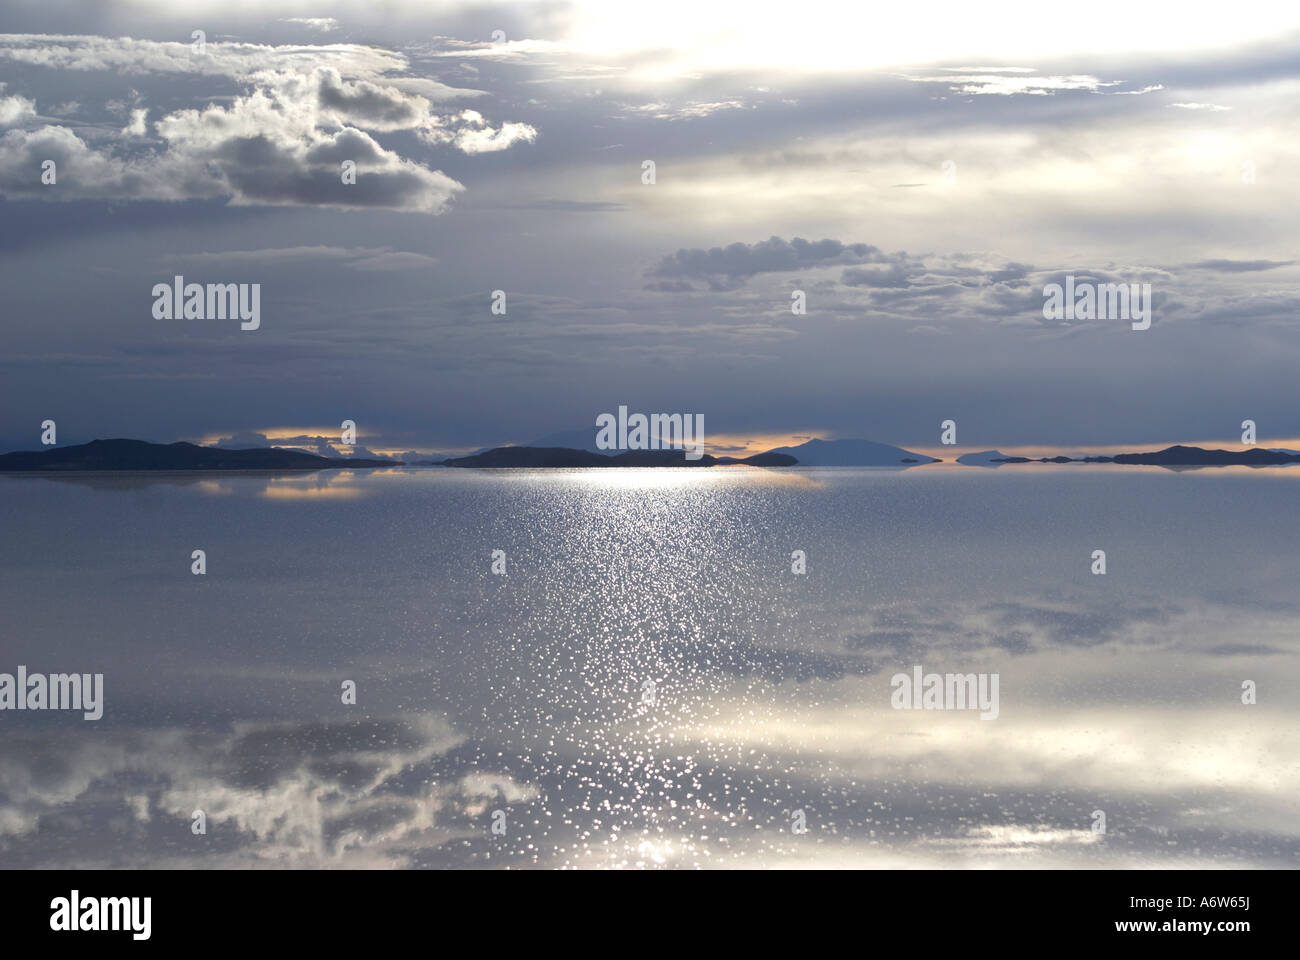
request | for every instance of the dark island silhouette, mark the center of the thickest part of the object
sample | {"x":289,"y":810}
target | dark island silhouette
{"x":852,"y":453}
{"x":1176,"y":456}
{"x":565,"y":457}
{"x":142,"y":455}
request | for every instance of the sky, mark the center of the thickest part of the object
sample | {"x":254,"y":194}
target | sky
{"x":920,"y":175}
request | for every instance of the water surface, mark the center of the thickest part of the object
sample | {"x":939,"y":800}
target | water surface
{"x":769,"y":691}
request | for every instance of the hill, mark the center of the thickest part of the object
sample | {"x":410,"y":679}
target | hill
{"x":142,"y":455}
{"x":851,"y":453}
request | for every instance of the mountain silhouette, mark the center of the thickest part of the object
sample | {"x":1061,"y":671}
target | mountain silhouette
{"x":583,"y":439}
{"x":142,"y":455}
{"x":984,"y":458}
{"x":851,"y":453}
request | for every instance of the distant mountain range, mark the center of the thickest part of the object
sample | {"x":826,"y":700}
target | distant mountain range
{"x":584,"y":439}
{"x":814,"y":453}
{"x":141,"y":455}
{"x":564,"y":457}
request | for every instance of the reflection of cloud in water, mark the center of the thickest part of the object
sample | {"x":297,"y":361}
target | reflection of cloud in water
{"x":339,"y":483}
{"x":348,"y":794}
{"x":900,"y":631}
{"x":1208,"y":786}
{"x":878,"y":787}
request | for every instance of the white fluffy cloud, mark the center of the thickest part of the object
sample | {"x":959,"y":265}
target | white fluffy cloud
{"x":15,"y":109}
{"x":470,"y":133}
{"x":248,"y":153}
{"x":138,"y":126}
{"x":306,"y":111}
{"x":319,"y":24}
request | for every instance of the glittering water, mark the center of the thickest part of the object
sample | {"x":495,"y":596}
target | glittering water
{"x":649,"y":684}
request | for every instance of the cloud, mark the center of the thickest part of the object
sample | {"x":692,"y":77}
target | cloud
{"x":304,"y":113}
{"x":1010,"y":81}
{"x":321,"y":446}
{"x":895,"y":275}
{"x":319,"y":24}
{"x":470,"y":133}
{"x":1001,"y":84}
{"x":83,"y":172}
{"x":244,"y":440}
{"x":432,"y":89}
{"x":386,"y":261}
{"x":137,"y":127}
{"x":15,"y":109}
{"x":128,"y":56}
{"x":692,"y":110}
{"x":361,"y":102}
{"x":1240,"y":266}
{"x":353,"y":258}
{"x":935,"y":293}
{"x":572,"y":206}
{"x":726,"y":267}
{"x":492,"y":50}
{"x":282,"y":144}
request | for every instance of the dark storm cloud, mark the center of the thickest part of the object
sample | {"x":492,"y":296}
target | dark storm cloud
{"x":724,"y":267}
{"x":368,"y":104}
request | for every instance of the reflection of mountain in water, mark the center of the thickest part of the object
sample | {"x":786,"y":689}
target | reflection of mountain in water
{"x":142,"y":455}
{"x":1178,"y":456}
